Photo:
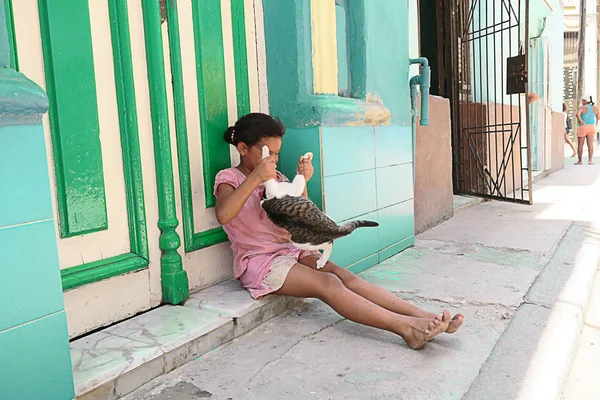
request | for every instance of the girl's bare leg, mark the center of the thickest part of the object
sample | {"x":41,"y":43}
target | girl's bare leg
{"x":568,"y":140}
{"x":378,"y":295}
{"x":580,"y":142}
{"x":590,"y":146}
{"x":303,"y":281}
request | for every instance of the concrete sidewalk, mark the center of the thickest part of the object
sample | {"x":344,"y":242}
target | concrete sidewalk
{"x":521,"y":275}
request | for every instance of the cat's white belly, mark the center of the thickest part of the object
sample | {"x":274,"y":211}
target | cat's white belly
{"x":326,"y":247}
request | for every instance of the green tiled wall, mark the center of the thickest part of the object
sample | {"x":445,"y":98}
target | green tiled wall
{"x":23,"y":160}
{"x":394,"y":184}
{"x":350,"y":195}
{"x":360,"y":244}
{"x":396,"y":223}
{"x":396,"y":248}
{"x":30,"y":284}
{"x":368,"y":174}
{"x":296,"y":143}
{"x":36,"y":362}
{"x":348,"y":150}
{"x":34,"y":344}
{"x":393,"y":145}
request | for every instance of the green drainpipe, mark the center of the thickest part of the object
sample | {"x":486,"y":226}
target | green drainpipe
{"x":423,"y":80}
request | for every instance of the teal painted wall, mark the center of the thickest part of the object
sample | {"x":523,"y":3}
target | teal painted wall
{"x":34,"y":344}
{"x":553,"y":35}
{"x":556,"y":37}
{"x":548,"y":85}
{"x":361,"y":171}
{"x":414,"y":36}
{"x":486,"y":89}
{"x":386,"y":31}
{"x":493,"y":55}
{"x":537,"y":84}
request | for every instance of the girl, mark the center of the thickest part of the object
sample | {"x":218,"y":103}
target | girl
{"x":266,"y":262}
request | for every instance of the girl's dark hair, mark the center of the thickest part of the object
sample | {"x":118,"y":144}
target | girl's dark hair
{"x":251,"y":128}
{"x":564,"y":107}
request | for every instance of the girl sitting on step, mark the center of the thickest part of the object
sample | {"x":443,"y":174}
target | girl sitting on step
{"x":265,"y":261}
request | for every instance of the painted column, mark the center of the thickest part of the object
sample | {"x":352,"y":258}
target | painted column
{"x":174,"y":279}
{"x":33,"y":327}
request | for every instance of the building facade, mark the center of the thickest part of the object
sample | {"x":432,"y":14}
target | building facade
{"x":137,"y":108}
{"x":572,"y":29}
{"x":139,"y":94}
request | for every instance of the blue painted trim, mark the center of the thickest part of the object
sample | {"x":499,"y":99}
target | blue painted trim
{"x":22,"y":102}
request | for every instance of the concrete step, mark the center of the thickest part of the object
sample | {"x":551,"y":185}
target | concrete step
{"x":117,"y":360}
{"x":462,"y":203}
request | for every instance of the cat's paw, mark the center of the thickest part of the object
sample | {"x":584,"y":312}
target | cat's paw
{"x":308,"y":155}
{"x":265,"y":152}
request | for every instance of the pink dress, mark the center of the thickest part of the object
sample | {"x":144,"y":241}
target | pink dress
{"x":263,"y":253}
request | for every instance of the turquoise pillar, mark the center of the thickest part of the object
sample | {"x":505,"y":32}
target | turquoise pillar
{"x":362,"y":144}
{"x":34,"y":343}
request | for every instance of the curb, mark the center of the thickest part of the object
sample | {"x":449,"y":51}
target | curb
{"x":533,"y":356}
{"x":548,"y":371}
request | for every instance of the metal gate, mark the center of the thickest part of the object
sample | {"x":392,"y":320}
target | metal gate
{"x":487,"y":85}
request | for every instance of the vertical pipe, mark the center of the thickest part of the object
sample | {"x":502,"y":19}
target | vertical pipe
{"x":423,"y":79}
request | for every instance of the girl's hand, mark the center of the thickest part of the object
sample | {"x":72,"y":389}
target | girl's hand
{"x":305,"y":168}
{"x":266,"y":169}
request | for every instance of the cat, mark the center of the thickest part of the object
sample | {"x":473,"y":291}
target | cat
{"x":310,"y":228}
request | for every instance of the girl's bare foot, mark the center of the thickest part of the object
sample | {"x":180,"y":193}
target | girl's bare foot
{"x":578,"y":163}
{"x":456,"y":322}
{"x":422,"y":330}
{"x":574,"y":155}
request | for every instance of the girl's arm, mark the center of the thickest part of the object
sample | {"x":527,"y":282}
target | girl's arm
{"x":532,"y":97}
{"x":579,"y":112}
{"x":230,"y":201}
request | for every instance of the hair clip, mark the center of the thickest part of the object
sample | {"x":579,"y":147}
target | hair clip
{"x":232,"y":134}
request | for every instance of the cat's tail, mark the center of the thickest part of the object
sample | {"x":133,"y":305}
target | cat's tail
{"x":348,"y":228}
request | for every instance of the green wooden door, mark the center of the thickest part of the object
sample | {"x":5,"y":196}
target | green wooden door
{"x":139,"y":100}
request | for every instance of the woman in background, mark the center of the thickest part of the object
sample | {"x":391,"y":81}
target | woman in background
{"x":587,"y":116}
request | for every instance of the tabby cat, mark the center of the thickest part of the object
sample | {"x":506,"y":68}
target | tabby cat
{"x":310,"y":228}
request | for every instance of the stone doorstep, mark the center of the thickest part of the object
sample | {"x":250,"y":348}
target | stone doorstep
{"x":463,"y":203}
{"x":117,"y":360}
